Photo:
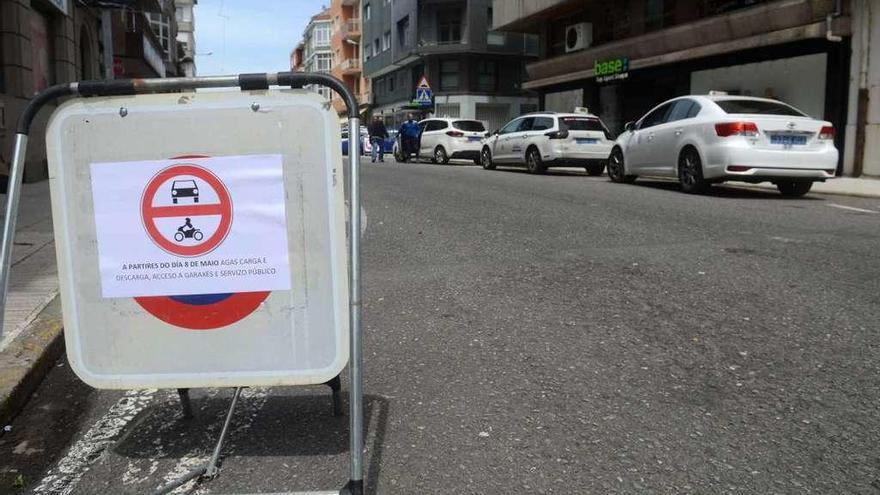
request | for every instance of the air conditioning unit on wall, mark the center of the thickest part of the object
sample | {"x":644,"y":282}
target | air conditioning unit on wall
{"x":578,"y":36}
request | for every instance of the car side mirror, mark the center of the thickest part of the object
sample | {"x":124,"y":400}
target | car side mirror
{"x":495,"y":132}
{"x":630,"y":126}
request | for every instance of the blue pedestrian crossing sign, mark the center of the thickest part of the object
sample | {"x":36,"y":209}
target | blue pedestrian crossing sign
{"x":424,"y":94}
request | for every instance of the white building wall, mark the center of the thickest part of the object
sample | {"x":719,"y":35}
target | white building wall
{"x":798,"y":81}
{"x":864,"y":75}
{"x":564,"y":101}
{"x":467,"y":105}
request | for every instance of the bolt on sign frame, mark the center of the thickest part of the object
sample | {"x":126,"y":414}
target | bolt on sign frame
{"x":245,"y":82}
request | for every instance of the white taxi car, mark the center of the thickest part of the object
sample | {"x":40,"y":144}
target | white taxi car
{"x":549,"y":139}
{"x":703,"y":140}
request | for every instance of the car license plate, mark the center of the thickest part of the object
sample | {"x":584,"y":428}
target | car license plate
{"x":788,"y":139}
{"x":474,"y":138}
{"x":586,"y":141}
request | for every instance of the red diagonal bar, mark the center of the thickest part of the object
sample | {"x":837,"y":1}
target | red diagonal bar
{"x":186,"y":210}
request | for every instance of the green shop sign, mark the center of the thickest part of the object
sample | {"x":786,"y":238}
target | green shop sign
{"x":615,"y":69}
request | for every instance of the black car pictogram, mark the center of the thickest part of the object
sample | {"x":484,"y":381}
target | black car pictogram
{"x":184,"y":189}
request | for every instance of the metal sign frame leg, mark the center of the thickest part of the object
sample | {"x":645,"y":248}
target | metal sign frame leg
{"x":245,"y":82}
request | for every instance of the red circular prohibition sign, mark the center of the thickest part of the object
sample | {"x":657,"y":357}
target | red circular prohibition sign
{"x":207,"y":312}
{"x":227,"y":311}
{"x":150,"y":213}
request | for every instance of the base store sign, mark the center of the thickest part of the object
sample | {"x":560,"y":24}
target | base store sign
{"x":199,"y":226}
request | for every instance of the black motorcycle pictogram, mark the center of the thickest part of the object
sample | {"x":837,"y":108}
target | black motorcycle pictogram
{"x":187,"y":231}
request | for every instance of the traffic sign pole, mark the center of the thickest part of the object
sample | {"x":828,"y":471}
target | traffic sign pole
{"x":246,"y":82}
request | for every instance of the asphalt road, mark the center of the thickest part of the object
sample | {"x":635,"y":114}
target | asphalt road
{"x":542,"y":334}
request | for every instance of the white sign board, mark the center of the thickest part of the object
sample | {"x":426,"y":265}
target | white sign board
{"x":201,"y":243}
{"x":199,"y":225}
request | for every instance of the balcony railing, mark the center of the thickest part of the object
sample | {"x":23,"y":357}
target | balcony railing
{"x":350,"y":65}
{"x":351,"y":29}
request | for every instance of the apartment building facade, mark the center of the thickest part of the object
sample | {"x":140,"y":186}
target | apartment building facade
{"x":622,"y":58}
{"x":184,"y":14}
{"x":317,"y":52}
{"x":345,"y":42}
{"x":473,"y":71}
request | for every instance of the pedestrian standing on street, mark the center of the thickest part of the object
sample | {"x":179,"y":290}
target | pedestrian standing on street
{"x":409,"y":133}
{"x":378,"y":135}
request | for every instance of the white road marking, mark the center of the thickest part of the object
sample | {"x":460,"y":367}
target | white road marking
{"x":137,"y":470}
{"x":63,"y":478}
{"x":785,"y":239}
{"x":850,"y":208}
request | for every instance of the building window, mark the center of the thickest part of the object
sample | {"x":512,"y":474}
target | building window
{"x":323,"y":62}
{"x":403,"y":32}
{"x":367,"y":12}
{"x":386,"y":40}
{"x":320,"y":35}
{"x":493,"y":38}
{"x":449,"y":75}
{"x":487,"y":75}
{"x":161,"y":26}
{"x":391,"y":83}
{"x":449,"y":27}
{"x":42,"y":52}
{"x":659,"y":14}
{"x":531,"y":44}
{"x":85,"y":55}
{"x":2,"y":79}
{"x":527,"y":108}
{"x":376,"y":49}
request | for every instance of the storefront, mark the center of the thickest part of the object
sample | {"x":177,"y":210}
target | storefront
{"x":812,"y":75}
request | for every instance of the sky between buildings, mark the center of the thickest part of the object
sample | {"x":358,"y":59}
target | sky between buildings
{"x":249,"y":35}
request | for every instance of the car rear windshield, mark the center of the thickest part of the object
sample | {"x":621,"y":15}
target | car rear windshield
{"x":469,"y":125}
{"x":583,"y":124}
{"x":758,"y":107}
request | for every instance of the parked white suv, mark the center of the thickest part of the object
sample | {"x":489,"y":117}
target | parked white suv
{"x":445,"y":139}
{"x":548,"y":139}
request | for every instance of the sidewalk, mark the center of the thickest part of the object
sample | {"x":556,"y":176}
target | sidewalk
{"x":33,"y":281}
{"x":32,"y":328}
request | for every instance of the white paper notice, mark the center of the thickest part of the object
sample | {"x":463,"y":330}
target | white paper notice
{"x":191,"y":226}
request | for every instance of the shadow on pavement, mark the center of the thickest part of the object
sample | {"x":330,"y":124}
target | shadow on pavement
{"x":282,"y":426}
{"x":550,"y":172}
{"x":731,"y":191}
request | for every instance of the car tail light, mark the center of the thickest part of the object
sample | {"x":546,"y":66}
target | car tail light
{"x":455,"y":133}
{"x":827,"y":132}
{"x":563,"y":134}
{"x":727,"y":129}
{"x":738,"y":168}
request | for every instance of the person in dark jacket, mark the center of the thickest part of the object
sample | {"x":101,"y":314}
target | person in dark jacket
{"x":378,"y":135}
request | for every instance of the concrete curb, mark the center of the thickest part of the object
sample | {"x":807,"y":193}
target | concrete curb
{"x":27,"y":359}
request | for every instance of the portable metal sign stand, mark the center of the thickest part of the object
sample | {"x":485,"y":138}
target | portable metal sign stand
{"x":246,"y":82}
